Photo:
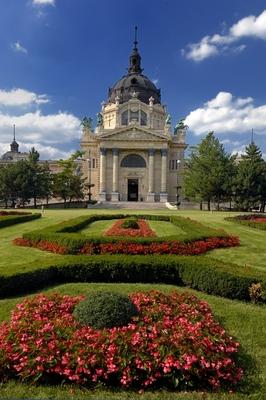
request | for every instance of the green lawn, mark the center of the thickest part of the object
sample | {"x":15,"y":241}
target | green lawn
{"x":245,"y":322}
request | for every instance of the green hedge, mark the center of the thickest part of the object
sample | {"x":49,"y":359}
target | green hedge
{"x":17,"y":219}
{"x":67,"y":233}
{"x":200,"y":273}
{"x":247,"y":222}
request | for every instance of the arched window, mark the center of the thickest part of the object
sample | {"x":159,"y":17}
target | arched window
{"x":133,"y":161}
{"x":143,"y":118}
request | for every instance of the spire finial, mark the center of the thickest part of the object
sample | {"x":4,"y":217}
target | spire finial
{"x":14,"y":132}
{"x":136,"y":41}
{"x":252,"y":136}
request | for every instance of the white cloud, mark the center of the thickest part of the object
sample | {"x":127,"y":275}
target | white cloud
{"x":228,"y":114}
{"x":43,"y":2}
{"x":21,"y":97}
{"x":209,"y":46}
{"x":51,"y":134}
{"x":17,"y":47}
{"x":35,"y":127}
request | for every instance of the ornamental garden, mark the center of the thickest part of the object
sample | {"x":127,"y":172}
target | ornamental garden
{"x":108,"y":305}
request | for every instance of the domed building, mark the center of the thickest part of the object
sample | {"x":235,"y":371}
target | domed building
{"x":133,"y":155}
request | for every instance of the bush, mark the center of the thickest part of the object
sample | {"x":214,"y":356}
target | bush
{"x":105,"y":310}
{"x":17,"y":218}
{"x":204,"y":274}
{"x":130,"y":223}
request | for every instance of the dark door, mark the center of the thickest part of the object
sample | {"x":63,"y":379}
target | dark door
{"x":132,"y":190}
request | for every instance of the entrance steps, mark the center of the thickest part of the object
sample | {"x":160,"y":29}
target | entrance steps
{"x":132,"y":205}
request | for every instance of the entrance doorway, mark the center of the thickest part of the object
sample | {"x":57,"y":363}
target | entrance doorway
{"x":132,"y":189}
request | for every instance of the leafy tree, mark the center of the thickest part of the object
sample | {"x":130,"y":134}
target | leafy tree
{"x":39,"y":177}
{"x":67,"y":185}
{"x":251,"y":179}
{"x":210,"y":172}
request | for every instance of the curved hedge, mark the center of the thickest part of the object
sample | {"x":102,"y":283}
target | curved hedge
{"x":17,"y":218}
{"x":200,"y":273}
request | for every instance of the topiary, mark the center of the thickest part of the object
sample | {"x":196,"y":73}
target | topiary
{"x":130,"y":223}
{"x":105,"y":310}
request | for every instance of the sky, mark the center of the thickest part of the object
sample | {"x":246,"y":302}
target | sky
{"x":59,"y":57}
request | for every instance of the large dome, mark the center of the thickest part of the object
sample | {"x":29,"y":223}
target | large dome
{"x":134,"y":84}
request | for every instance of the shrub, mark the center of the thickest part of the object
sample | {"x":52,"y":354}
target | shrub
{"x":204,"y":274}
{"x":175,"y":343}
{"x":256,"y":292}
{"x":130,"y":223}
{"x":105,"y":310}
{"x":16,"y":218}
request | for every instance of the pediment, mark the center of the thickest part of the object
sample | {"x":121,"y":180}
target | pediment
{"x":134,"y":134}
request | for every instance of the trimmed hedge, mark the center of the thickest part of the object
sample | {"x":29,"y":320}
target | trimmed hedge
{"x":200,"y":273}
{"x":63,"y":233}
{"x":17,"y":218}
{"x":249,"y":220}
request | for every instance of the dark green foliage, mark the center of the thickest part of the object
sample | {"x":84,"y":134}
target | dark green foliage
{"x":64,"y":233}
{"x":130,"y":223}
{"x":200,"y":273}
{"x":105,"y":310}
{"x":17,"y":219}
{"x":210,"y":171}
{"x":251,"y":179}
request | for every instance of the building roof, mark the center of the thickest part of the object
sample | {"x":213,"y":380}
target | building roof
{"x":134,"y":84}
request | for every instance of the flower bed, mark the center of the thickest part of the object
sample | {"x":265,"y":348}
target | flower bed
{"x":143,"y":231}
{"x":252,"y":220}
{"x":125,"y":247}
{"x":174,"y":342}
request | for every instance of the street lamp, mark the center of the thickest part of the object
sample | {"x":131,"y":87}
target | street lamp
{"x":90,"y":185}
{"x":178,"y":187}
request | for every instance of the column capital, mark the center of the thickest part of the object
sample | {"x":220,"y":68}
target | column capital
{"x":115,"y":152}
{"x":164,"y":152}
{"x":102,"y":151}
{"x":151,"y":152}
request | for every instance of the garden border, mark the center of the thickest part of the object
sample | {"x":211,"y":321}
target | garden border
{"x":247,"y":222}
{"x":9,"y":220}
{"x":197,"y":272}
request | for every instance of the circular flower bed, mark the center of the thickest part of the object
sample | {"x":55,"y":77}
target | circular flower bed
{"x":174,"y":342}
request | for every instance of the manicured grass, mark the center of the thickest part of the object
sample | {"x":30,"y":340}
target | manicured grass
{"x":252,"y":251}
{"x":97,"y":228}
{"x":245,"y":322}
{"x":165,"y":228}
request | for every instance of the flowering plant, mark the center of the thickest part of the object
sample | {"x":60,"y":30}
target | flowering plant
{"x":174,"y":342}
{"x":143,"y":230}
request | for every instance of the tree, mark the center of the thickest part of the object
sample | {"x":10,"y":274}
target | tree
{"x":67,"y":184}
{"x":251,"y":179}
{"x":39,"y":177}
{"x":210,"y":172}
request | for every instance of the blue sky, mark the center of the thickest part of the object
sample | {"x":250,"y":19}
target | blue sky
{"x":59,"y":57}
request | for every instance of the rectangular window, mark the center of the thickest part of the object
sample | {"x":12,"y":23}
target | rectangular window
{"x":173,"y":164}
{"x":93,"y":163}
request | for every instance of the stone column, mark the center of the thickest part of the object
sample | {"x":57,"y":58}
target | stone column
{"x":163,"y":194}
{"x":102,"y":194}
{"x":115,"y":194}
{"x":151,"y":194}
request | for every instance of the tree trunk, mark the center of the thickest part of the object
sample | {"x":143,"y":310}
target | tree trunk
{"x":200,"y":206}
{"x":35,"y":202}
{"x":209,"y":205}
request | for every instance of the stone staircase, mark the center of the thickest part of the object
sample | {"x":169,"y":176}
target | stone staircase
{"x":132,"y":205}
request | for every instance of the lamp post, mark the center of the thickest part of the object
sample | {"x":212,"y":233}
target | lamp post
{"x":90,"y":185}
{"x":178,"y":187}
